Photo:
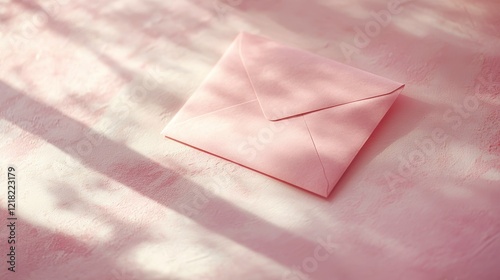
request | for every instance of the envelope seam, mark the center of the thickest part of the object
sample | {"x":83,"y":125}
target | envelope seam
{"x":317,"y":153}
{"x":384,"y":92}
{"x":248,"y":77}
{"x":172,"y":122}
{"x":225,"y":108}
{"x":344,"y":104}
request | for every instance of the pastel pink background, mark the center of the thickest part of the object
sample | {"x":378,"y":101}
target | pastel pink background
{"x":86,"y":88}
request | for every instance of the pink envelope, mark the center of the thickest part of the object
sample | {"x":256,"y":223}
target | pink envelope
{"x":284,"y":112}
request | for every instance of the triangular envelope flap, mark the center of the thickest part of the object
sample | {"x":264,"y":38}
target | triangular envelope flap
{"x":289,"y":81}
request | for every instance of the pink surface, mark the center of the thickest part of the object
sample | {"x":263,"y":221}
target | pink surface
{"x":262,"y":108}
{"x":85,"y":88}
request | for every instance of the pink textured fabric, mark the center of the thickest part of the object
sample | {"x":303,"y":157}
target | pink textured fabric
{"x":263,"y":107}
{"x":86,"y":87}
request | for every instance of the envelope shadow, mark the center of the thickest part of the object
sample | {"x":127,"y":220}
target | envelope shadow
{"x":134,"y":170}
{"x":403,"y":117}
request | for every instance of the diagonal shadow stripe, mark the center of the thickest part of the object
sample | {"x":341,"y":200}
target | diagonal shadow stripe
{"x":277,"y":249}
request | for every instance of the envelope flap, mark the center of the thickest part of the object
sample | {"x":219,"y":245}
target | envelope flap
{"x":290,"y":82}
